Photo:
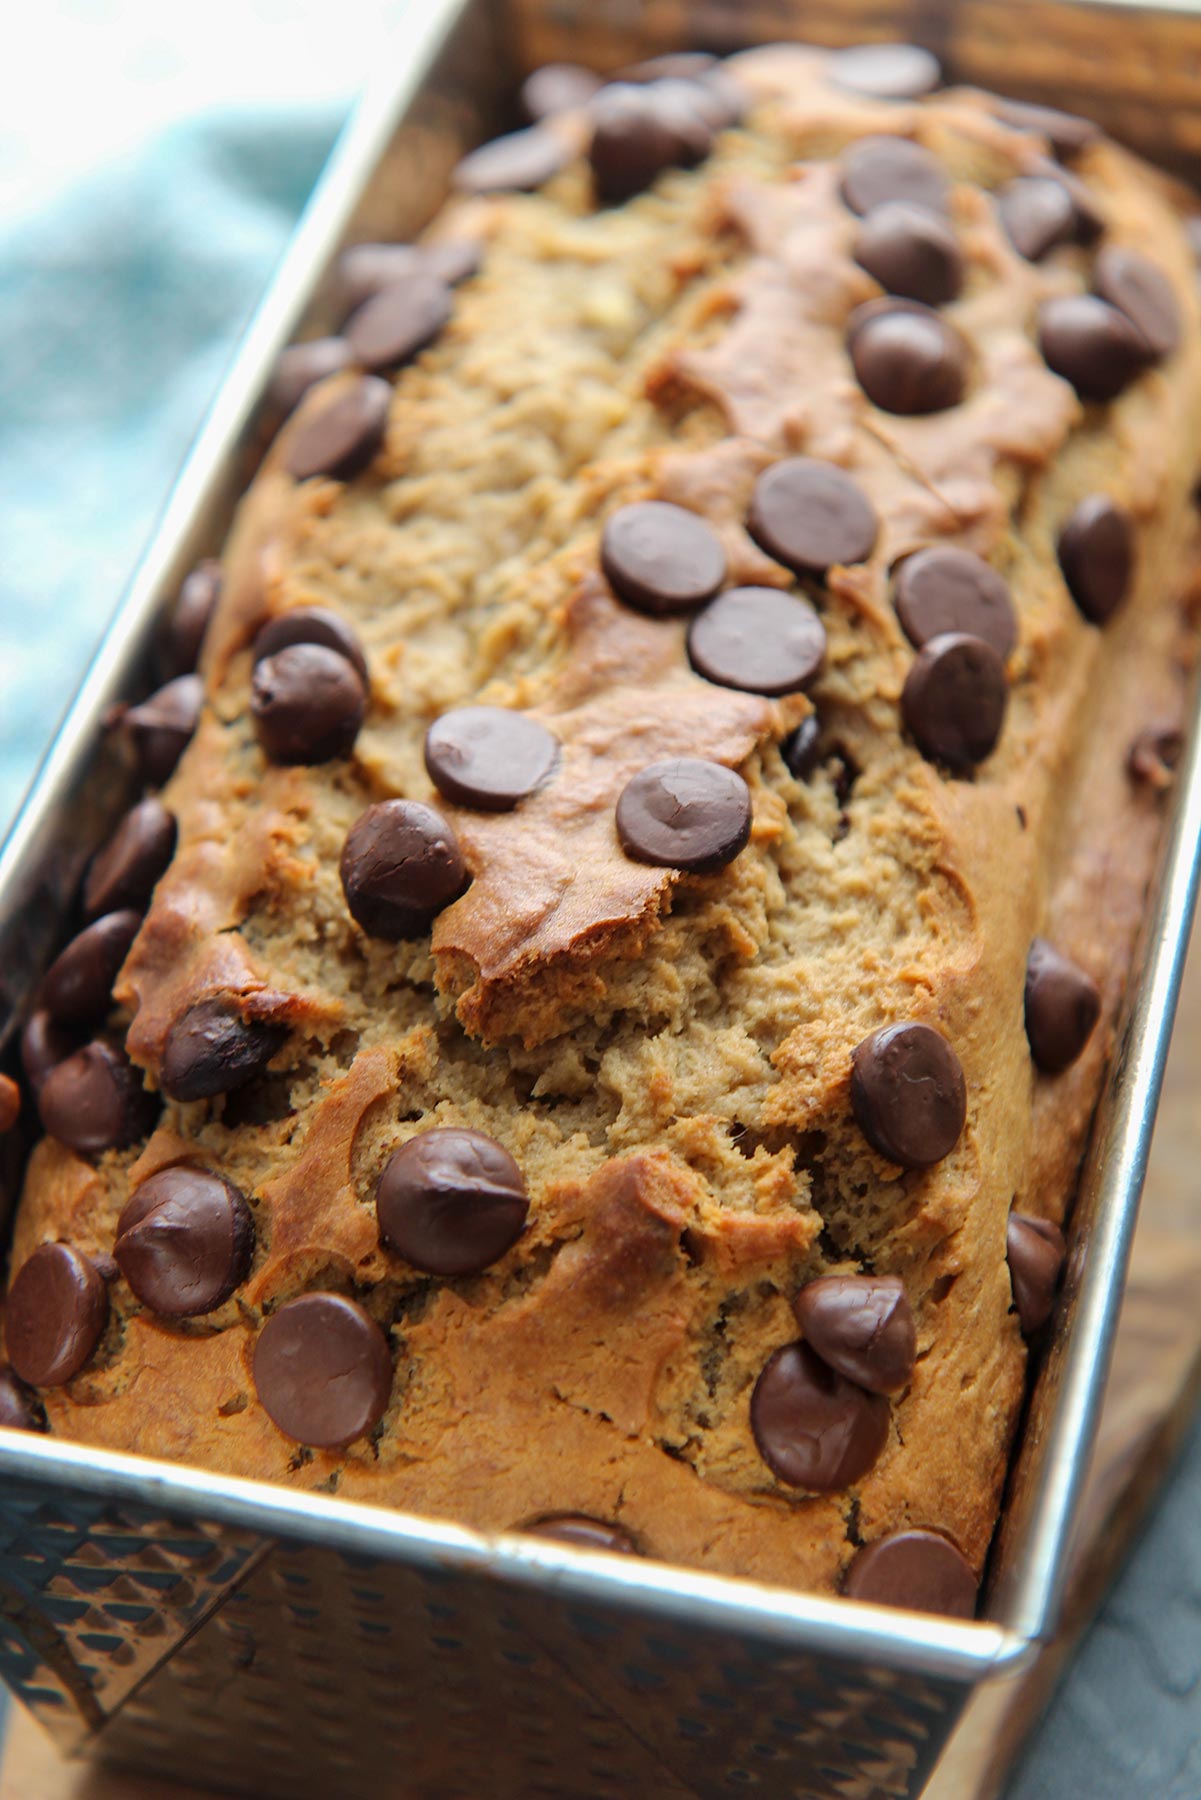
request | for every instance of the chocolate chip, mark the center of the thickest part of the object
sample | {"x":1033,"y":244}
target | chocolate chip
{"x":123,"y":873}
{"x":1038,"y":214}
{"x":56,"y":1312}
{"x":323,"y":1370}
{"x":583,"y":1532}
{"x":299,"y":368}
{"x":1091,"y":344}
{"x":193,"y":609}
{"x":715,"y":94}
{"x":684,"y":814}
{"x":1066,"y":132}
{"x":44,"y":1044}
{"x":661,"y":558}
{"x":908,"y":1094}
{"x":944,"y":590}
{"x":690,"y":111}
{"x":1155,"y":755}
{"x":401,"y":864}
{"x":1140,"y":290}
{"x":521,"y":160}
{"x":343,"y":437}
{"x":1063,"y":1005}
{"x":954,"y":699}
{"x":801,"y":748}
{"x":10,"y":1103}
{"x":879,"y":169}
{"x":673,"y":65}
{"x":489,"y":757}
{"x":810,"y":515}
{"x":366,"y":268}
{"x":184,"y":1241}
{"x":907,"y":358}
{"x":391,"y":327}
{"x":310,"y":625}
{"x":211,"y":1048}
{"x":635,"y":137}
{"x":19,"y":1409}
{"x":95,"y":1101}
{"x":910,"y":252}
{"x":1096,"y":555}
{"x":1036,"y":1252}
{"x":556,"y":88}
{"x":918,"y":1569}
{"x":885,"y":71}
{"x":451,"y":1202}
{"x":1089,"y":223}
{"x":760,"y":640}
{"x":862,"y":1325}
{"x":308,"y":704}
{"x":814,"y":1428}
{"x":77,"y":987}
{"x":162,"y":727}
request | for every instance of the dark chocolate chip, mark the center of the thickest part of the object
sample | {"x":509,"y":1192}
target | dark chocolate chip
{"x":489,"y":757}
{"x":810,"y":515}
{"x":1140,"y":290}
{"x":556,"y":88}
{"x":1038,"y":215}
{"x":661,"y":558}
{"x":1091,"y":344}
{"x":635,"y":137}
{"x":910,"y":252}
{"x":323,"y":1370}
{"x":918,"y":1569}
{"x":342,"y":438}
{"x":300,"y":367}
{"x":760,"y":640}
{"x":673,"y":65}
{"x":802,"y":747}
{"x":688,"y":108}
{"x":943,"y":590}
{"x":1155,"y":755}
{"x":211,"y":1048}
{"x":162,"y":727}
{"x":401,"y":864}
{"x":862,"y":1325}
{"x":366,"y":268}
{"x":1036,"y":1252}
{"x":44,"y":1044}
{"x":584,"y":1533}
{"x":1096,"y":555}
{"x":193,"y":609}
{"x":684,"y":814}
{"x":77,"y":987}
{"x":56,"y":1312}
{"x":907,"y":358}
{"x":814,"y":1428}
{"x":877,"y":170}
{"x":310,"y":625}
{"x":123,"y":872}
{"x":1067,"y":133}
{"x":1063,"y":1004}
{"x":954,"y":699}
{"x":308,"y":704}
{"x":521,"y":160}
{"x":715,"y":94}
{"x":19,"y":1410}
{"x":10,"y":1103}
{"x":908,"y":1094}
{"x":1089,"y":222}
{"x":885,"y":71}
{"x":399,"y":321}
{"x":95,"y":1101}
{"x":184,"y":1241}
{"x":451,"y":1202}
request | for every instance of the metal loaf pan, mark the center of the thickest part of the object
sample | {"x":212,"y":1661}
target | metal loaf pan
{"x":275,"y":1642}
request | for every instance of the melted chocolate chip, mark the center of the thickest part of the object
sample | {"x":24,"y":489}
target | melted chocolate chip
{"x":56,"y":1312}
{"x":1067,"y":133}
{"x":661,"y":558}
{"x":810,"y":515}
{"x":211,"y":1048}
{"x":77,"y":987}
{"x":684,"y":814}
{"x":95,"y":1101}
{"x":451,"y":1202}
{"x":301,"y":367}
{"x":862,"y":1325}
{"x":907,"y":359}
{"x":954,"y":699}
{"x":308,"y":704}
{"x":759,"y":640}
{"x":945,"y":590}
{"x":1091,"y":344}
{"x":1155,"y":755}
{"x":910,"y":252}
{"x":1036,"y":1252}
{"x":556,"y":88}
{"x":918,"y":1569}
{"x":1038,"y":215}
{"x":401,"y":864}
{"x":323,"y":1370}
{"x":366,"y":268}
{"x":162,"y":727}
{"x":44,"y":1044}
{"x":815,"y":1429}
{"x":802,"y":747}
{"x":637,"y":134}
{"x":489,"y":757}
{"x":1140,"y":290}
{"x":194,"y":608}
{"x":342,"y":438}
{"x":521,"y":161}
{"x":584,"y":1533}
{"x":123,"y":873}
{"x":310,"y":625}
{"x":1096,"y":555}
{"x":184,"y":1241}
{"x":1063,"y":1005}
{"x":908,"y":1094}
{"x":398,"y":322}
{"x":19,"y":1410}
{"x":885,"y":71}
{"x":877,"y":170}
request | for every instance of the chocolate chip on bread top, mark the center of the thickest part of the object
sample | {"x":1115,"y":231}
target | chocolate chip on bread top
{"x":594,"y":1030}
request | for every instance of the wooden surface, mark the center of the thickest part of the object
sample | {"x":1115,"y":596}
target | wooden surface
{"x":1150,"y":1399}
